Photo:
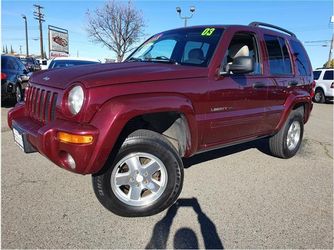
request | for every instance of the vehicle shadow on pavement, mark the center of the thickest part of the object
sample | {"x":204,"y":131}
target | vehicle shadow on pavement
{"x":185,"y":238}
{"x":261,"y":145}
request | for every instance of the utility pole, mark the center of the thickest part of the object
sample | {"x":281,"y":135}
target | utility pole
{"x":38,"y":15}
{"x":26,"y":27}
{"x":331,"y":50}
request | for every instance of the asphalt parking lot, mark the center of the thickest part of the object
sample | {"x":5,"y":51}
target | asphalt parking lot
{"x":238,"y":197}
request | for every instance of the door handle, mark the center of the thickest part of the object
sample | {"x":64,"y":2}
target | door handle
{"x":293,"y":83}
{"x":259,"y":85}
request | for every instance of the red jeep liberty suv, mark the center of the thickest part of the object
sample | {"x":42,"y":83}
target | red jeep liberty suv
{"x":181,"y":92}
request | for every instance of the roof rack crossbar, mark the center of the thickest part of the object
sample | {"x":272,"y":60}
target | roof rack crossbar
{"x":257,"y":24}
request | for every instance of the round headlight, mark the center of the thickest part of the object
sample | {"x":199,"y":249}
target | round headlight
{"x":75,"y":99}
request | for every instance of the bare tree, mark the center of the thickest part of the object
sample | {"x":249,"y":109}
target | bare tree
{"x":116,"y":25}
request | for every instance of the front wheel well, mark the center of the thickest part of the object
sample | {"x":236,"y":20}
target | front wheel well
{"x":172,"y":125}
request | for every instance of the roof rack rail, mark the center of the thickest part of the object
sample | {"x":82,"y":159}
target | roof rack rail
{"x":257,"y":24}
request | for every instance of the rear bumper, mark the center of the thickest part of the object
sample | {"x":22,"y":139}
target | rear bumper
{"x":43,"y":137}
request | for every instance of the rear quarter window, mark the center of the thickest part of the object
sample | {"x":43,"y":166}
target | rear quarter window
{"x":301,"y":59}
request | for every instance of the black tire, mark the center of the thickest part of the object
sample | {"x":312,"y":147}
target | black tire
{"x":143,"y":141}
{"x":278,"y":145}
{"x":319,"y":96}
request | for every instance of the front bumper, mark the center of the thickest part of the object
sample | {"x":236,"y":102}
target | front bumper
{"x":43,"y":138}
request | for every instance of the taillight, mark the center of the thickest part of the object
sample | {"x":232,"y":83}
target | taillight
{"x":313,"y":89}
{"x":332,"y":86}
{"x":313,"y":85}
{"x":3,"y":76}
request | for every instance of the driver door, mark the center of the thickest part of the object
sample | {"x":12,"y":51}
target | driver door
{"x":237,"y":101}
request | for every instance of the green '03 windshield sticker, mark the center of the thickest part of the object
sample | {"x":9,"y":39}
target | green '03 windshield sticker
{"x":208,"y":32}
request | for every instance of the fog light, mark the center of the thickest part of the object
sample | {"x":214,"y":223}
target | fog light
{"x":70,"y":161}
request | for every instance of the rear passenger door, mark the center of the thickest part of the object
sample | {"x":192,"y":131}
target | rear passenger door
{"x":280,"y":72}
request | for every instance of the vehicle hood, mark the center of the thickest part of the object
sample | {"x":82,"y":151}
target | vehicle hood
{"x":96,"y":75}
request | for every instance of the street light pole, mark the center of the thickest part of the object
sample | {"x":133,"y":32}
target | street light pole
{"x":185,"y":18}
{"x":26,"y":27}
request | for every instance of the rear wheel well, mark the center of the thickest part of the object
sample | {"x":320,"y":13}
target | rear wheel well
{"x":172,"y":125}
{"x":302,"y":107}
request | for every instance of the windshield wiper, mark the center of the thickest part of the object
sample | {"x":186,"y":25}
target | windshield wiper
{"x":134,"y":59}
{"x":162,"y":59}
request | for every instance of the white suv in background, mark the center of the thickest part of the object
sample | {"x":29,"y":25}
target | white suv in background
{"x":324,"y":88}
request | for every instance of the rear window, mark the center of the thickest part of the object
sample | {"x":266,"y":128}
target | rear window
{"x":301,"y":58}
{"x":8,"y":63}
{"x":329,"y":75}
{"x":279,"y":59}
{"x":316,"y":75}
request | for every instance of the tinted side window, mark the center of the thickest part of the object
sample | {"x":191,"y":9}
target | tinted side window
{"x":301,"y":58}
{"x":316,"y":75}
{"x":242,"y":44}
{"x":286,"y":56}
{"x":329,"y":75}
{"x":279,"y":60}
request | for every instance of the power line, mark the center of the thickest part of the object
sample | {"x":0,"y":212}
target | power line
{"x":318,"y":41}
{"x":317,"y":45}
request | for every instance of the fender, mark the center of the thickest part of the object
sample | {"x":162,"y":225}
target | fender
{"x":294,"y":99}
{"x":117,"y":112}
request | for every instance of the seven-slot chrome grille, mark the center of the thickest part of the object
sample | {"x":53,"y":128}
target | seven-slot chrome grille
{"x":41,"y":104}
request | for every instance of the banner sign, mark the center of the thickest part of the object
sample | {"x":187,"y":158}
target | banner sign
{"x":58,"y":42}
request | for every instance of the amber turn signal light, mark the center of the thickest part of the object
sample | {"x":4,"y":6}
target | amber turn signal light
{"x":71,"y":138}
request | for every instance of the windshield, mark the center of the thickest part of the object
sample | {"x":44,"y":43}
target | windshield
{"x":192,"y":46}
{"x":23,"y":60}
{"x":316,"y":75}
{"x":69,"y":63}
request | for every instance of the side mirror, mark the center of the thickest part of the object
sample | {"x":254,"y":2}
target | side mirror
{"x":241,"y":65}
